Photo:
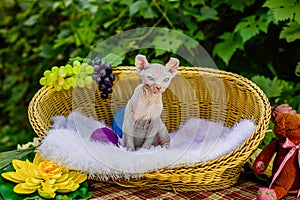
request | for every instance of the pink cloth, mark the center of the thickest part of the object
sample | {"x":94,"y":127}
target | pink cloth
{"x":288,"y":144}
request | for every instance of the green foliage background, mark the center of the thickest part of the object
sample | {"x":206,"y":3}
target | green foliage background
{"x":258,"y":39}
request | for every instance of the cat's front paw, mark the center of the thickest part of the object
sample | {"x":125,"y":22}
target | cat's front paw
{"x":130,"y":149}
{"x":127,"y":146}
{"x":146,"y":146}
{"x":166,"y":145}
{"x":166,"y":142}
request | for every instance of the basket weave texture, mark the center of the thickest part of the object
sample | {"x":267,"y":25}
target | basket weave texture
{"x":195,"y":92}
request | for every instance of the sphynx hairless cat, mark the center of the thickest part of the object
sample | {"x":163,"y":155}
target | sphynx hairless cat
{"x":142,"y":126}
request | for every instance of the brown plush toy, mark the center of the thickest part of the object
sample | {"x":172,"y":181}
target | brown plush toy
{"x":286,"y":171}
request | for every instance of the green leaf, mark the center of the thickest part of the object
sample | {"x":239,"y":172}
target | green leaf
{"x":84,"y":35}
{"x":297,"y":12}
{"x":192,"y":27}
{"x":274,"y":3}
{"x":31,"y":20}
{"x":34,"y":196}
{"x":250,"y":26}
{"x":159,"y":52}
{"x":297,"y":70}
{"x":208,"y":13}
{"x":64,"y":33}
{"x":237,"y":5}
{"x":234,"y":5}
{"x":113,"y":59}
{"x":246,"y":28}
{"x":137,"y":6}
{"x":284,"y":10}
{"x":13,"y":35}
{"x":89,"y":6}
{"x":81,"y":193}
{"x":76,"y":58}
{"x":48,"y":50}
{"x":197,"y":2}
{"x":291,"y":32}
{"x":272,"y":69}
{"x":228,"y":47}
{"x":272,"y":88}
{"x":18,"y":93}
{"x":10,"y":81}
{"x":167,"y":41}
{"x":6,"y":190}
{"x":199,"y":35}
{"x":109,"y":23}
{"x":148,"y":13}
{"x":7,"y":156}
{"x":288,"y":12}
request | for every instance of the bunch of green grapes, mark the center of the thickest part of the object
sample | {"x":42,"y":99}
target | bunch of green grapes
{"x":65,"y":77}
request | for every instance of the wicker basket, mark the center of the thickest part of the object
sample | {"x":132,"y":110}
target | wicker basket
{"x":234,"y":99}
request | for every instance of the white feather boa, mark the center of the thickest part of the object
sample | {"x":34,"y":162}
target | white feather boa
{"x":68,"y":143}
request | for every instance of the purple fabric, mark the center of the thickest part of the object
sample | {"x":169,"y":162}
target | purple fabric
{"x":105,"y":135}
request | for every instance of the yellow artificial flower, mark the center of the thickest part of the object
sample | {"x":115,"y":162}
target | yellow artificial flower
{"x":43,"y":176}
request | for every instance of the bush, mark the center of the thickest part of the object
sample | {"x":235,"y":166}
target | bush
{"x":257,"y":39}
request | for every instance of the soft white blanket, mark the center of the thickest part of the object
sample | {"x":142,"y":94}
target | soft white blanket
{"x":68,"y":143}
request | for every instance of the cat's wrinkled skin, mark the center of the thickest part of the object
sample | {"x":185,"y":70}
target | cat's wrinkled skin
{"x":142,"y":126}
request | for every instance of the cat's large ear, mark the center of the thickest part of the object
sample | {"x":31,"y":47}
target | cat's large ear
{"x":141,"y":62}
{"x":173,"y":65}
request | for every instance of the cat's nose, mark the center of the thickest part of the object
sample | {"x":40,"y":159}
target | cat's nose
{"x":157,"y":88}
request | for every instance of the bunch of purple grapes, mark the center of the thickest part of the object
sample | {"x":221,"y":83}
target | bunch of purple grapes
{"x":103,"y":76}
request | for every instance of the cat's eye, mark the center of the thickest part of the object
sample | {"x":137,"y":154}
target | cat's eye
{"x":166,"y":79}
{"x":150,"y":78}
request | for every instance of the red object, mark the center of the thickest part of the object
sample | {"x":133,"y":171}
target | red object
{"x":284,"y":108}
{"x":286,"y":128}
